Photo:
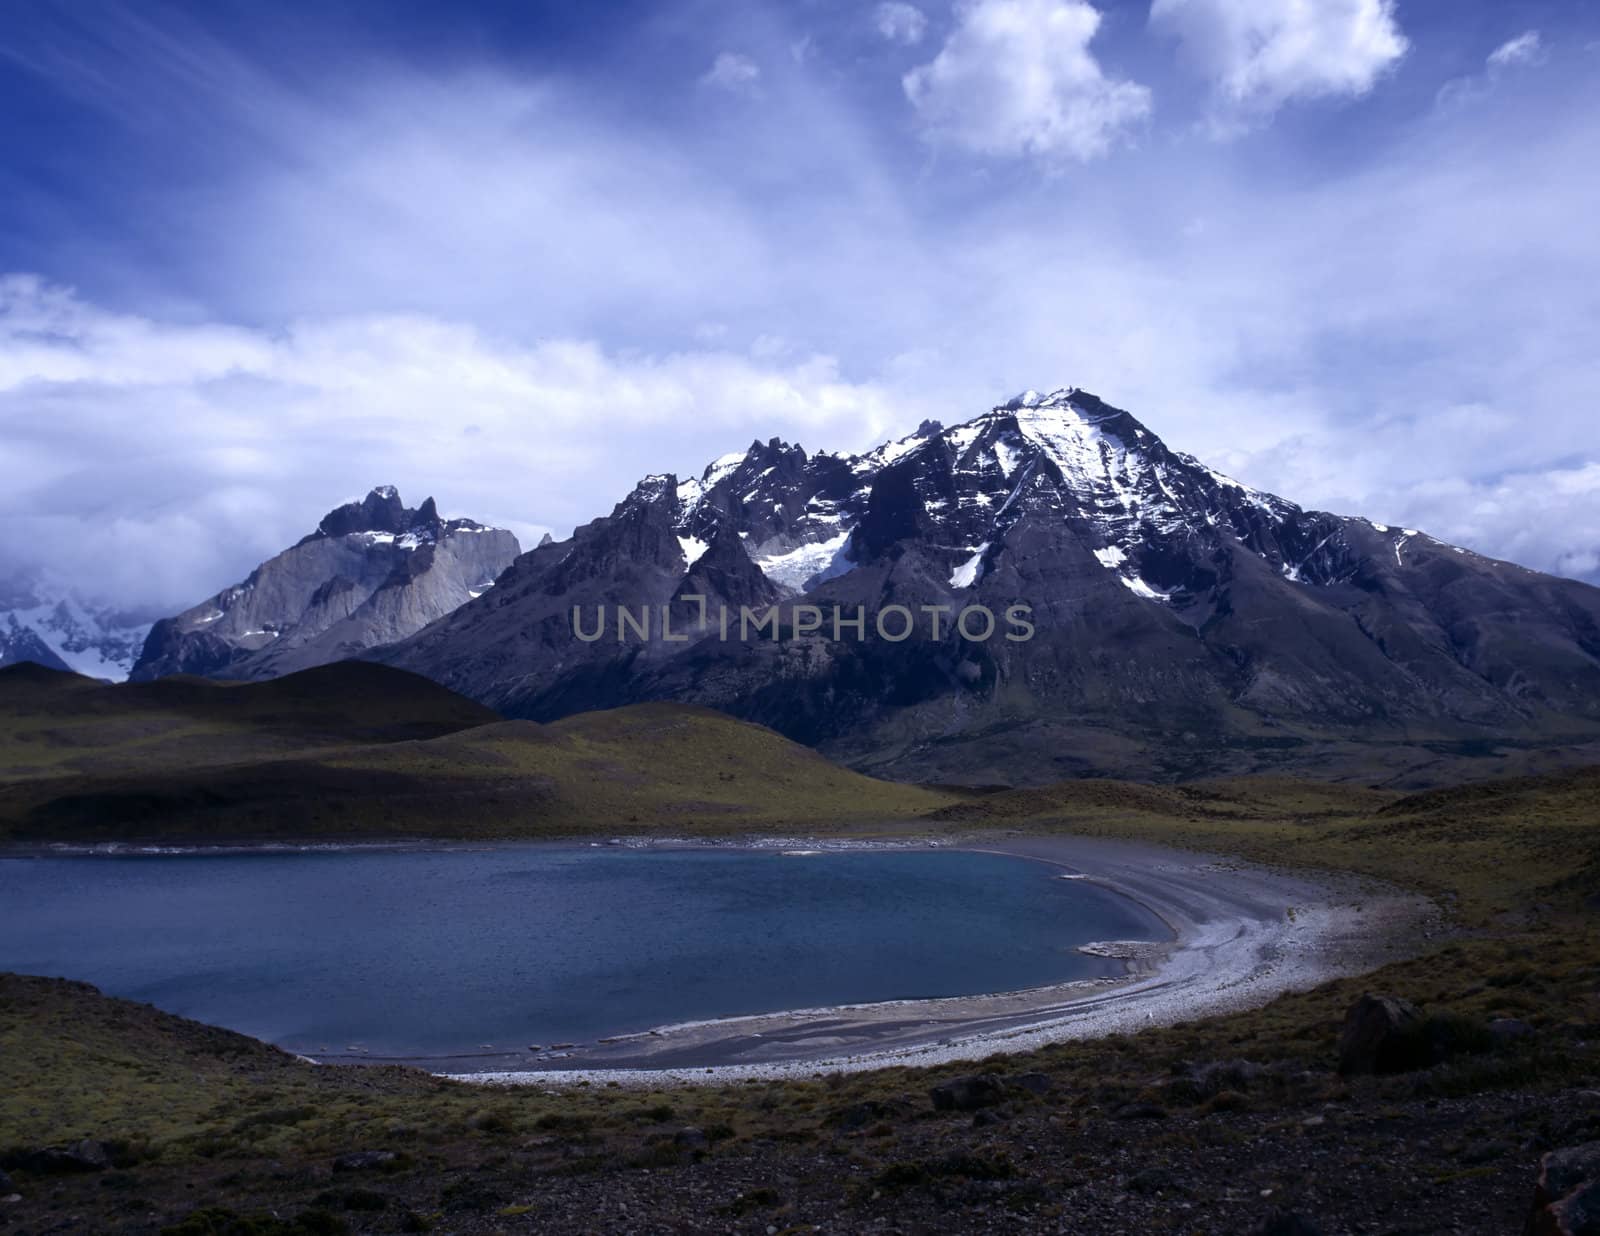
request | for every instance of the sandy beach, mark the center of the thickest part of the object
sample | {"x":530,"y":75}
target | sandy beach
{"x":1241,"y":934}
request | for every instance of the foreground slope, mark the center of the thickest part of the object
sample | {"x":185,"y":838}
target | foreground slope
{"x":1185,"y":625}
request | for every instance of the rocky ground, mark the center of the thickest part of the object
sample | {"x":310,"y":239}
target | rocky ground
{"x":1289,"y":1134}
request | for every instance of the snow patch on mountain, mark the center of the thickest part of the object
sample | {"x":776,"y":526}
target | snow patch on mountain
{"x":807,"y":566}
{"x":693,"y":549}
{"x":1008,"y":457}
{"x":970,"y":571}
{"x":875,"y":461}
{"x":1139,"y":588}
{"x":1113,"y":558}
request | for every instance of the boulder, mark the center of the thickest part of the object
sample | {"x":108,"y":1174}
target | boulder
{"x":1566,"y":1197}
{"x":1577,"y":1214}
{"x":968,"y":1094}
{"x":690,"y":1138}
{"x":1379,"y":1035}
{"x":84,"y":1156}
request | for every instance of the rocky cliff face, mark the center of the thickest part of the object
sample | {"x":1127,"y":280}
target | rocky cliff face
{"x":1183,"y":623}
{"x":372,"y":573}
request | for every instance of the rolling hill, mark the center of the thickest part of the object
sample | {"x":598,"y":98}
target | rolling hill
{"x":358,"y":750}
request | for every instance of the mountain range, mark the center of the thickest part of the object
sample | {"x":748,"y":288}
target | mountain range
{"x":1178,"y":623}
{"x":1184,"y":623}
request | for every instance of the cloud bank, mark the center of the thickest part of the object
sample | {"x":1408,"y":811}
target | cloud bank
{"x":521,"y":288}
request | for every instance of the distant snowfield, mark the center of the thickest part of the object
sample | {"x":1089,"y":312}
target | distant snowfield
{"x":91,"y":639}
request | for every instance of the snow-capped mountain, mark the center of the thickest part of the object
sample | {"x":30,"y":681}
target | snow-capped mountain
{"x":1184,"y":623}
{"x":48,"y":622}
{"x":373,"y":572}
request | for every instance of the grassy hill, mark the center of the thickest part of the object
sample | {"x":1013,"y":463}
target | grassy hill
{"x":55,"y":724}
{"x":1487,"y":848}
{"x":358,"y":750}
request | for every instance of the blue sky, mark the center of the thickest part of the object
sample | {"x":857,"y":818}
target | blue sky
{"x":258,"y":258}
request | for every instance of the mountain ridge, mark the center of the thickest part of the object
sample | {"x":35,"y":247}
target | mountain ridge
{"x":1187,"y":623}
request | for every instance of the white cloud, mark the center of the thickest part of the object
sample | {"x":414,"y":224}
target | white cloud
{"x":901,"y":23}
{"x":734,"y":72}
{"x":1261,"y":54}
{"x":1526,"y":49}
{"x":160,"y":461}
{"x":1515,"y":516}
{"x":1016,"y":77}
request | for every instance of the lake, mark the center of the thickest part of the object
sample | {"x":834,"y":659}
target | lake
{"x":435,"y":953}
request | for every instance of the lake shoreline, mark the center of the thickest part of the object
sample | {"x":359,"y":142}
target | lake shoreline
{"x":1243,"y":934}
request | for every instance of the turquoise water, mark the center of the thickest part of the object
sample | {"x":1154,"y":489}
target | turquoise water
{"x":431,"y":953}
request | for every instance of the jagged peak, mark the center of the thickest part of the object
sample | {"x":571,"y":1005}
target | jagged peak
{"x":773,"y":446}
{"x":382,"y":513}
{"x":651,"y":489}
{"x":1061,"y":397}
{"x":721,"y":466}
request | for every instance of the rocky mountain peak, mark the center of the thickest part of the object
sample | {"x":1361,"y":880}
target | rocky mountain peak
{"x":373,"y":571}
{"x":383,"y":513}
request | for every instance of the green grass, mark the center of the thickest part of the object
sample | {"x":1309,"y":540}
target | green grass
{"x":1488,"y":850}
{"x":362,"y":751}
{"x":54,"y":724}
